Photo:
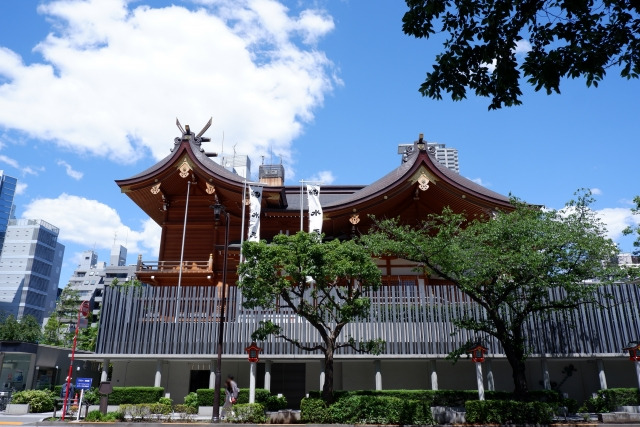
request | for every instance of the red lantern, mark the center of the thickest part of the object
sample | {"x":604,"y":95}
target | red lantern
{"x":477,"y":353}
{"x":634,"y":352}
{"x":254,"y":352}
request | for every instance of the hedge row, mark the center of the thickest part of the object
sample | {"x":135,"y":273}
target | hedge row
{"x":262,"y":396}
{"x":608,"y":400}
{"x":448,"y":397}
{"x":508,"y":412}
{"x":363,"y":409}
{"x":134,"y":395}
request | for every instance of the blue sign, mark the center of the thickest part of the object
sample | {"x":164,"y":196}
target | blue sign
{"x":83,"y":383}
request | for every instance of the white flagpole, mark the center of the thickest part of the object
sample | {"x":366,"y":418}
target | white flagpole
{"x":301,"y":204}
{"x":244,"y":195}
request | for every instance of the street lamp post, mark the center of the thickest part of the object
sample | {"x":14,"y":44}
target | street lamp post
{"x":218,"y":209}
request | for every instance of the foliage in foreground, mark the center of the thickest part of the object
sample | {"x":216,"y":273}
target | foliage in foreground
{"x":204,"y":397}
{"x":366,"y":409}
{"x":38,"y":400}
{"x":557,"y":38}
{"x":160,"y":411}
{"x":248,"y":413}
{"x":608,"y":400}
{"x":508,"y":412}
{"x":109,"y":417}
{"x":26,"y":329}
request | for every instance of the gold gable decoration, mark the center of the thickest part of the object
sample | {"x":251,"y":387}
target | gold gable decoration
{"x":210,"y":189}
{"x":184,"y":169}
{"x":155,"y":189}
{"x":424,"y":178}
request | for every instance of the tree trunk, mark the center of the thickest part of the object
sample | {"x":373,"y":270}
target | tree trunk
{"x":514,"y":350}
{"x":327,"y":388}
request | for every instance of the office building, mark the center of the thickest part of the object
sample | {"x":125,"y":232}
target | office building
{"x":90,"y":277}
{"x":7,"y":208}
{"x":30,"y":266}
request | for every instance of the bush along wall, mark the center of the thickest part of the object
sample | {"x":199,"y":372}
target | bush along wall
{"x":262,"y":396}
{"x":447,"y":397}
{"x":134,"y":395}
{"x":608,"y":400}
{"x":508,"y":412}
{"x":366,"y":409}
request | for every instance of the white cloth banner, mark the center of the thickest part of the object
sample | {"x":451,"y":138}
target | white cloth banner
{"x":255,"y":197}
{"x":315,"y":210}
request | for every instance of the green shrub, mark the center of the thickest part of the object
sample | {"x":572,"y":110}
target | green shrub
{"x":159,"y":410}
{"x":274,"y":403}
{"x":608,"y":400}
{"x":133,"y":395}
{"x":380,"y":409}
{"x":97,"y":416}
{"x":38,"y":400}
{"x":165,"y":401}
{"x":185,"y":412}
{"x":205,"y":396}
{"x":94,"y":416}
{"x":248,"y":413}
{"x":90,"y":396}
{"x":137,"y":412}
{"x":508,"y":412}
{"x":314,"y":411}
{"x":191,"y":399}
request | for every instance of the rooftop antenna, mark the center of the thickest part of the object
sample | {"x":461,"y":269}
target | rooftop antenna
{"x":234,"y":155}
{"x":262,"y":159}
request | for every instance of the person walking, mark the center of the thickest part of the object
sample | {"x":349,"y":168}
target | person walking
{"x":230,"y":397}
{"x":69,"y":396}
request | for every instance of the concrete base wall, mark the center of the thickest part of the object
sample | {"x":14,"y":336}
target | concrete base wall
{"x":359,"y":374}
{"x":17,"y":409}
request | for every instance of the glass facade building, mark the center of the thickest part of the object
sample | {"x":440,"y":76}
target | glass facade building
{"x":7,"y":191}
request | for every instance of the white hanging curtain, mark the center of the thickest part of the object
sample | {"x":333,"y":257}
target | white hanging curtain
{"x":315,"y":210}
{"x":255,"y":197}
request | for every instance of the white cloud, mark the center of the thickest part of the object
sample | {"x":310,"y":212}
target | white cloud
{"x":616,"y":220}
{"x":114,"y":79}
{"x":72,"y":173}
{"x":479,"y":182}
{"x":324,"y":177}
{"x":595,"y":191}
{"x":91,"y":223}
{"x":9,"y":161}
{"x":522,"y":47}
{"x":21,"y":187}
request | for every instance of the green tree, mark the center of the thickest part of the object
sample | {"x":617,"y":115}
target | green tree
{"x":323,"y":282}
{"x":508,"y":264}
{"x":30,"y":329}
{"x":88,"y":338}
{"x":26,"y":330}
{"x":577,"y":39}
{"x":10,"y":329}
{"x":52,"y":334}
{"x":60,"y":328}
{"x":635,"y":229}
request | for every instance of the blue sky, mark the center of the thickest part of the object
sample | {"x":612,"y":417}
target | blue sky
{"x":90,"y":90}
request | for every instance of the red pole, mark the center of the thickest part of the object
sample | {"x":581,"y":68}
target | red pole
{"x":73,"y":354}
